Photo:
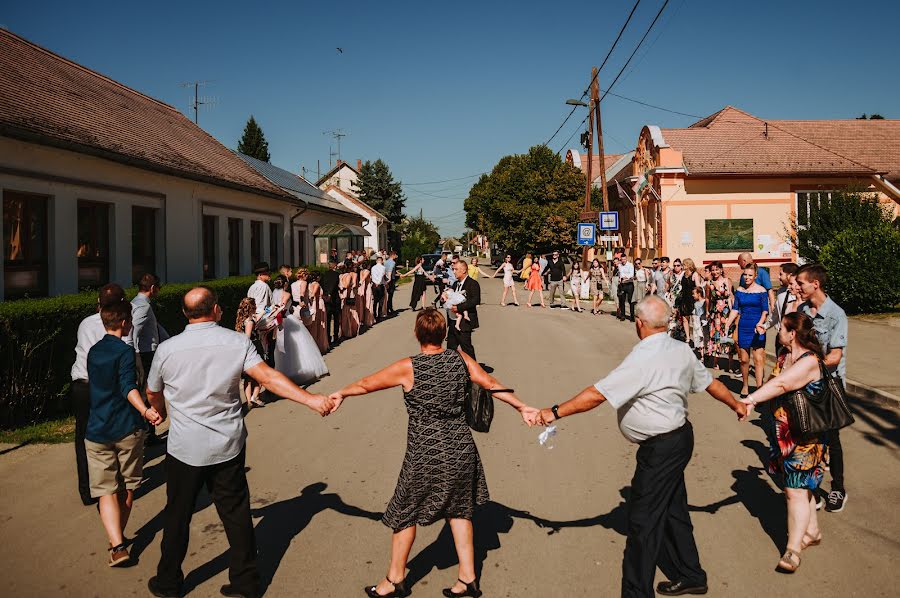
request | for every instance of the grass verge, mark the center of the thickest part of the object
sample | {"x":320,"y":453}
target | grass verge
{"x":49,"y":432}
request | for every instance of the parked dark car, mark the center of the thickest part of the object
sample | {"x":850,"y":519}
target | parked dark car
{"x":430,"y":260}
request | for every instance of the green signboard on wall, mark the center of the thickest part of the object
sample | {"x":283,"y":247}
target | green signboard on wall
{"x":728,"y":235}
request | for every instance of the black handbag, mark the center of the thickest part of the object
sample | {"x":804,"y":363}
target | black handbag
{"x":480,"y":407}
{"x":811,"y":415}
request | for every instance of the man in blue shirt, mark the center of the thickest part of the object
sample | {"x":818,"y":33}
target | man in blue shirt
{"x":114,"y":439}
{"x":831,"y":326}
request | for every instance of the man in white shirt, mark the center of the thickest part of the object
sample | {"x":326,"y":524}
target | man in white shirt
{"x":260,"y":291}
{"x":649,"y":391}
{"x":626,"y":287}
{"x":196,"y":376}
{"x":379,"y":273}
{"x":90,"y":331}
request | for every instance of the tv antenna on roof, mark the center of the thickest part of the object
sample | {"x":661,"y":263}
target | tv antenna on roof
{"x":198,"y":100}
{"x":337,"y":134}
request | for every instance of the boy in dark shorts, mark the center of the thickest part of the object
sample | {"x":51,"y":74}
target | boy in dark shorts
{"x":114,"y":439}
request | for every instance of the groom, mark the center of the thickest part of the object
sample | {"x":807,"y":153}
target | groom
{"x":462,"y":338}
{"x":649,"y":392}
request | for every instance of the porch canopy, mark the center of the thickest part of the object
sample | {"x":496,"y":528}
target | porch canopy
{"x":336,"y":230}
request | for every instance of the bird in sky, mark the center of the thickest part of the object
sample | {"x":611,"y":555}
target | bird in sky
{"x":340,"y":50}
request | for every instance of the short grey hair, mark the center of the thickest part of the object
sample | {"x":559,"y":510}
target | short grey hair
{"x":654,"y":311}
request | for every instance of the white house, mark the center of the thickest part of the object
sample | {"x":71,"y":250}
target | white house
{"x":375,"y":223}
{"x":102,"y":183}
{"x":343,"y":176}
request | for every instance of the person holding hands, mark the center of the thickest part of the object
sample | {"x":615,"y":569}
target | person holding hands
{"x":649,"y":391}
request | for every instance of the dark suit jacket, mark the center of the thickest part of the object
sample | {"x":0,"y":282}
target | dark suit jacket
{"x":330,"y":285}
{"x":473,"y":300}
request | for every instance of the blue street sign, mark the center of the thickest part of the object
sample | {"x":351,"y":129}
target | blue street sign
{"x":609,"y":221}
{"x":587,"y":231}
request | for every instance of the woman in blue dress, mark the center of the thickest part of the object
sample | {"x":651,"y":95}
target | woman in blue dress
{"x":751,"y":304}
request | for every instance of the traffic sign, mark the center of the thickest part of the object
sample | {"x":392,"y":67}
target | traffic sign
{"x":609,"y":238}
{"x":588,"y":216}
{"x":609,"y":221}
{"x":587,"y":231}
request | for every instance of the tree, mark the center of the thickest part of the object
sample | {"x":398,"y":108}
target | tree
{"x":852,"y":257}
{"x":529,"y":202}
{"x":873,"y":117}
{"x":852,"y":207}
{"x":419,"y":236}
{"x":253,"y":142}
{"x":376,"y":186}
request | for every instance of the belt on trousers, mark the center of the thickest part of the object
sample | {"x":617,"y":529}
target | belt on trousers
{"x":80,"y":381}
{"x":659,"y":437}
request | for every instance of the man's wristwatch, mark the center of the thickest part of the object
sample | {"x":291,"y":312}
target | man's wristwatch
{"x":555,"y":410}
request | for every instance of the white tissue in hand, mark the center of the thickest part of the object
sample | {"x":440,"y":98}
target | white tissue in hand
{"x":546,"y":435}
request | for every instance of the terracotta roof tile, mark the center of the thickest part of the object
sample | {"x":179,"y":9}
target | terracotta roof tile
{"x":51,"y":100}
{"x":733,"y":142}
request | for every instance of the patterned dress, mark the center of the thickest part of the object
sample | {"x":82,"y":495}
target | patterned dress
{"x":720,"y":342}
{"x":803,"y":464}
{"x":442,"y":476}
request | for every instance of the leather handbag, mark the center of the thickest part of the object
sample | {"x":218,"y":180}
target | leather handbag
{"x":480,"y":407}
{"x":811,"y":415}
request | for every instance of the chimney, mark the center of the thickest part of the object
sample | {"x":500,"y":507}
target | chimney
{"x":339,"y":162}
{"x":358,"y":165}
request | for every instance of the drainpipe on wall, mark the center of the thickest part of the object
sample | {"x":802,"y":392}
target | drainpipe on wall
{"x":883,"y":180}
{"x":291,"y":224}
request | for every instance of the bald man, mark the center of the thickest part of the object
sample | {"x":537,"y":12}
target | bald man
{"x":649,"y":391}
{"x":762,"y":276}
{"x":199,"y":373}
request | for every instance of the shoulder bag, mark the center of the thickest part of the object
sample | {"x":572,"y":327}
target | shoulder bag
{"x":480,"y":406}
{"x":811,"y":415}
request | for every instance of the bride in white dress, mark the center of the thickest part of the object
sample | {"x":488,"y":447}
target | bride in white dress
{"x":296,"y":354}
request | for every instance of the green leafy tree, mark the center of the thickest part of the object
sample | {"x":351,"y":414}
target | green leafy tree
{"x":529,"y":202}
{"x":376,"y":186}
{"x":850,"y":208}
{"x":418,"y":236}
{"x":253,"y":141}
{"x":873,"y":117}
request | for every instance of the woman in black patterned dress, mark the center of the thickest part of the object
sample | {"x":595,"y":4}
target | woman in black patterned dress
{"x":442,"y":477}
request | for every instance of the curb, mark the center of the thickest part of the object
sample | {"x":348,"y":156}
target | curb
{"x":861,"y":391}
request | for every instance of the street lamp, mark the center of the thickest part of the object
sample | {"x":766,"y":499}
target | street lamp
{"x":576,"y":103}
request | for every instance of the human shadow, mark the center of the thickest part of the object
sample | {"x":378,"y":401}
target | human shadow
{"x":489,"y":521}
{"x":762,"y":502}
{"x":733,"y":384}
{"x":280,"y":522}
{"x":884,"y":421}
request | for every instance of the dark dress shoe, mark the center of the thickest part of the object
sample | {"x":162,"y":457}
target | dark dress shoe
{"x":232,"y":592}
{"x":157,"y":590}
{"x":679,"y":588}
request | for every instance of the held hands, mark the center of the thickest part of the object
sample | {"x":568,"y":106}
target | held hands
{"x":321,"y":404}
{"x":743,"y":409}
{"x":153,"y":416}
{"x":337,"y":398}
{"x":530,"y":415}
{"x":546,"y":417}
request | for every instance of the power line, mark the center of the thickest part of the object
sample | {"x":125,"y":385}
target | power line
{"x":587,"y":89}
{"x":471,"y":176}
{"x":636,"y":48}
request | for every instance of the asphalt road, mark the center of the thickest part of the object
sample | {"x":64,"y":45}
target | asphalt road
{"x":556,"y":523}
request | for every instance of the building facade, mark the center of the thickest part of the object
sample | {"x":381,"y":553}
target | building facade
{"x":102,"y":183}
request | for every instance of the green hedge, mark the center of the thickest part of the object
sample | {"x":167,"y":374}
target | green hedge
{"x":38,"y":337}
{"x":863,"y":268}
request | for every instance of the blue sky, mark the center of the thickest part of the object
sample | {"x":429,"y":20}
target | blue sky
{"x":443,"y":90}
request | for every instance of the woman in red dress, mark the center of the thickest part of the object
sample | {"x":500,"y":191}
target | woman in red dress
{"x":535,"y":283}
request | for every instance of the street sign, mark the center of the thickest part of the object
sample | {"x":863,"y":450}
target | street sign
{"x":588,"y":216}
{"x":609,"y":221}
{"x":587,"y":231}
{"x":609,"y":238}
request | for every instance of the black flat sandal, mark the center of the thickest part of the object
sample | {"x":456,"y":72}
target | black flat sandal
{"x":471,"y":590}
{"x":400,"y":590}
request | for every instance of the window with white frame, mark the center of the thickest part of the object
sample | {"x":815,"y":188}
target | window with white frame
{"x":808,"y":203}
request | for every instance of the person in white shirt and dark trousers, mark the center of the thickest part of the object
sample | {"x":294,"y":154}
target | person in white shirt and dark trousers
{"x":649,"y":391}
{"x":626,"y":288}
{"x":146,"y":332}
{"x":90,"y":331}
{"x":379,"y":276}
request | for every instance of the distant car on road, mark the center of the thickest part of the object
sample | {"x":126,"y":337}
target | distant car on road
{"x":430,"y":260}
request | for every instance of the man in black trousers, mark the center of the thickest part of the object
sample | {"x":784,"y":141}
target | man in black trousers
{"x":332,"y":303}
{"x":649,"y":391}
{"x":462,"y":338}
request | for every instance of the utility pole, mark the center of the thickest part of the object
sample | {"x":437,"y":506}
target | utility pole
{"x":595,"y":100}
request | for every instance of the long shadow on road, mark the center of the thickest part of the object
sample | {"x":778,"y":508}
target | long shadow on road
{"x":280,"y":523}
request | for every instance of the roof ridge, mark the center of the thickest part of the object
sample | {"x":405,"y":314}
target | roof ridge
{"x":81,"y":67}
{"x":354,"y":199}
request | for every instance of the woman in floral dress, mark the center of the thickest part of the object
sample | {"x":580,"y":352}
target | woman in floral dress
{"x":721,"y":297}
